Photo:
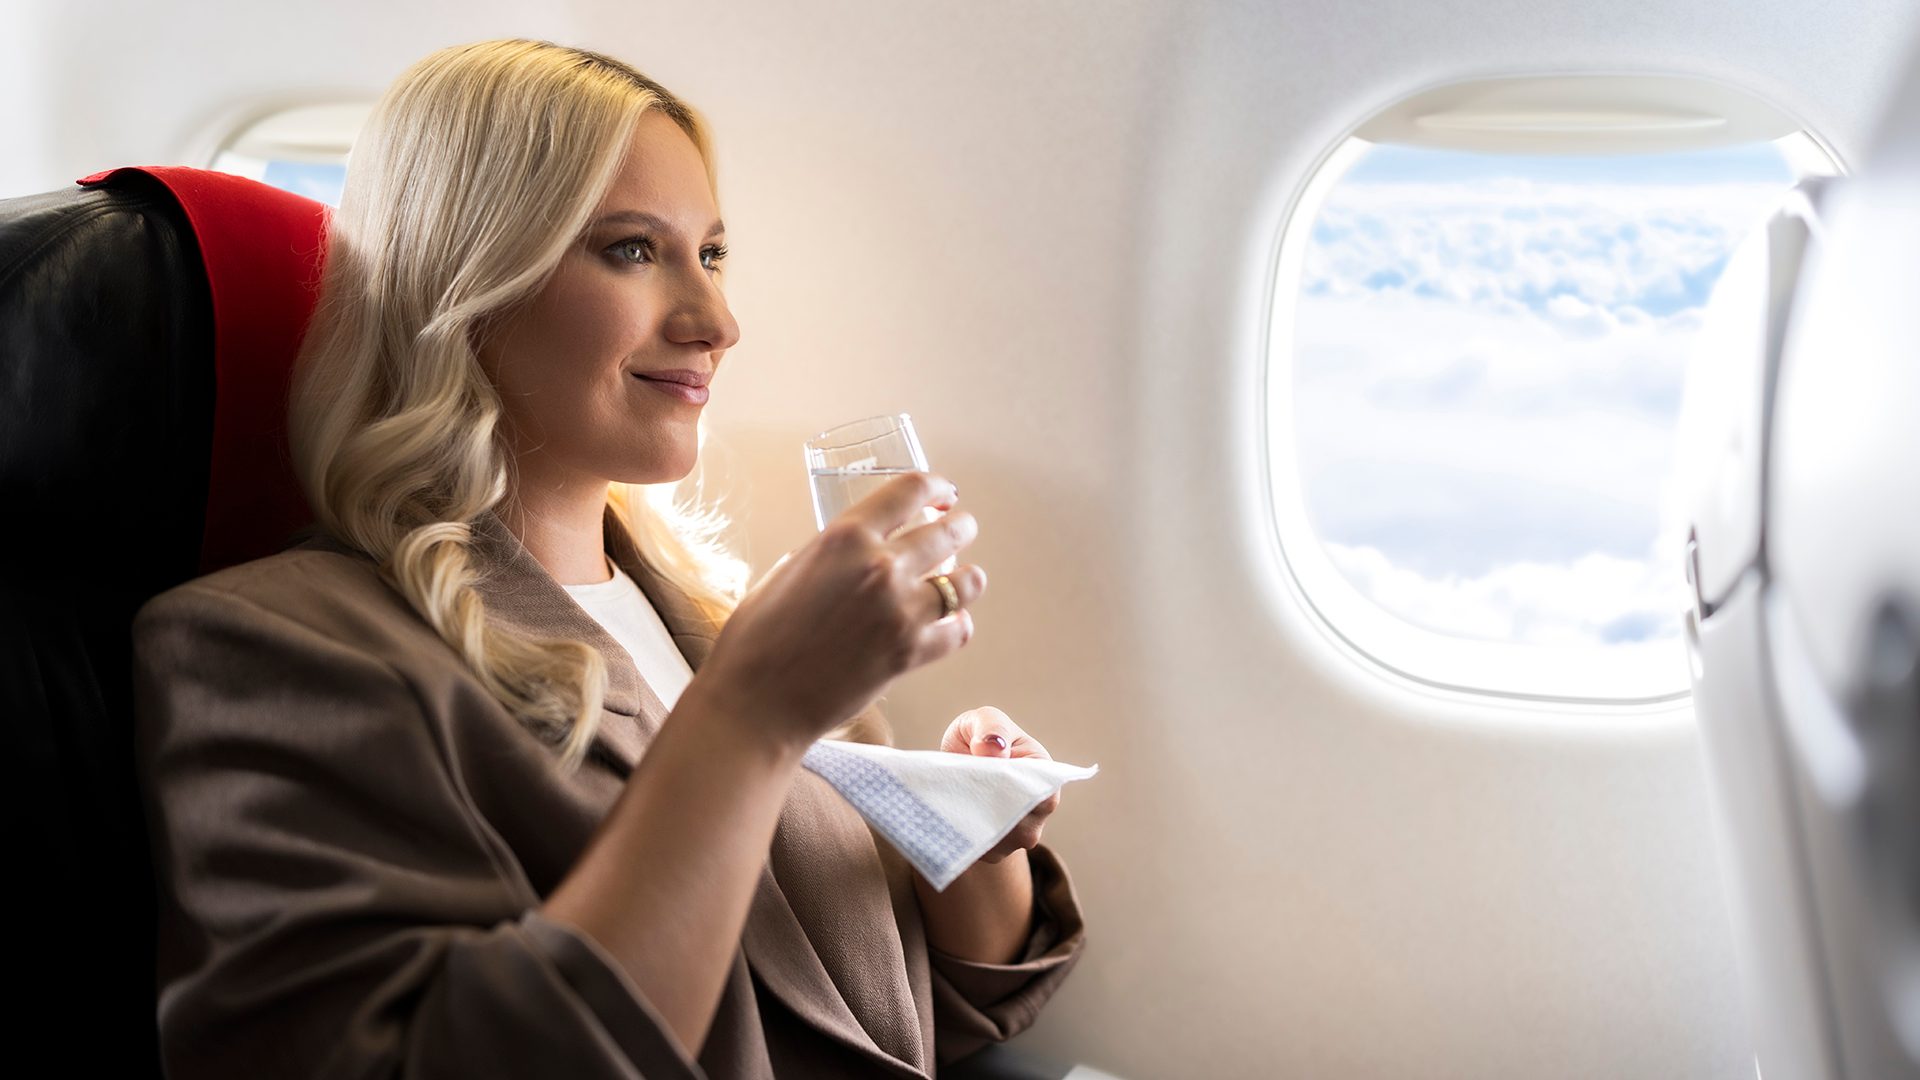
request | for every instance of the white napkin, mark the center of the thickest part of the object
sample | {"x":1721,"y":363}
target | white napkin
{"x":941,"y":810}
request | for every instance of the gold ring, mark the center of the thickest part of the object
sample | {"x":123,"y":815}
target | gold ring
{"x":949,"y":600}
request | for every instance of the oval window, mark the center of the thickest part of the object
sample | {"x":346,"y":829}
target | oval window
{"x":1483,"y":314}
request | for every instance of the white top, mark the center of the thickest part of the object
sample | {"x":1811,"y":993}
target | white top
{"x":620,"y":607}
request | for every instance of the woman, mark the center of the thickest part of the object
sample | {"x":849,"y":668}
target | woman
{"x":415,"y":809}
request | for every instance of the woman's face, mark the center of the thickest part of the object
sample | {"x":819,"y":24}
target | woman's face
{"x":638,"y":296}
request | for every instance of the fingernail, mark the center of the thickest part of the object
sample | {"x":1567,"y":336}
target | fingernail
{"x":996,"y":741}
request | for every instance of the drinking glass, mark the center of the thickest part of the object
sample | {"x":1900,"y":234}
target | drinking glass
{"x":846,"y":463}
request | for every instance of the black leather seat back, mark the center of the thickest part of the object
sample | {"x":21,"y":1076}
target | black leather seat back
{"x":106,"y":402}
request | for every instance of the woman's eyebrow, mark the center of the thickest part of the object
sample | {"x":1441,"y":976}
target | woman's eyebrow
{"x":636,"y":217}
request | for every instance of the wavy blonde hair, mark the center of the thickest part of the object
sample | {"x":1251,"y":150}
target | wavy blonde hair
{"x":479,"y":168}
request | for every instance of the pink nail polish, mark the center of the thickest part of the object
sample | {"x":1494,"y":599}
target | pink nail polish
{"x":997,"y":742}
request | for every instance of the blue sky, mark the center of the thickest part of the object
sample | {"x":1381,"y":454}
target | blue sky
{"x":322,"y":182}
{"x":1490,"y":357}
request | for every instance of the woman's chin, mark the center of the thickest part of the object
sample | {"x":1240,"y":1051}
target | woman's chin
{"x":658,"y":472}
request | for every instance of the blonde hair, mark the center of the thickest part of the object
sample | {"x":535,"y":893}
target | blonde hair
{"x":480,"y":167}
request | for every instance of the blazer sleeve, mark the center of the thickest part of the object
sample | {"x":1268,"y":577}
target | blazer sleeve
{"x":975,"y":1003}
{"x":330,"y":903}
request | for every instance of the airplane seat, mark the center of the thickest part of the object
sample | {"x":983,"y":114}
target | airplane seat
{"x":1804,"y":630}
{"x":148,"y":323}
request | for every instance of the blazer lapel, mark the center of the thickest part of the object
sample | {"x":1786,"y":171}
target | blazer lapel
{"x":775,"y":942}
{"x":519,"y":592}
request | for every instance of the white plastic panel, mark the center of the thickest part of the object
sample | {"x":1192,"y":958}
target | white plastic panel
{"x":1721,"y":459}
{"x":1781,"y":980}
{"x":1845,"y":513}
{"x":1843,"y":529}
{"x":1581,"y":114}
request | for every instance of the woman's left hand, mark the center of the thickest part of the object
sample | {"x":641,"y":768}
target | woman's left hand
{"x":988,"y":732}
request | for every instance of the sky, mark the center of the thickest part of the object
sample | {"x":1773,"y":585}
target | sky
{"x":1490,"y":352}
{"x":315,"y":181}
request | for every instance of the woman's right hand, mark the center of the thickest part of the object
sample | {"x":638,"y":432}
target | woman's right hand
{"x":820,"y":637}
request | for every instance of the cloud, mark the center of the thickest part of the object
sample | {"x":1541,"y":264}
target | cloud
{"x":1577,"y":318}
{"x":1486,"y":379}
{"x":1455,"y":443}
{"x":1512,"y":246}
{"x":1590,"y":601}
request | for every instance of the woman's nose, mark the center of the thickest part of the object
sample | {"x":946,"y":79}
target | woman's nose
{"x":702,"y":317}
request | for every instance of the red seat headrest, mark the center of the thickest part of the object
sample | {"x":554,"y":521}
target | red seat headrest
{"x":263,"y":249}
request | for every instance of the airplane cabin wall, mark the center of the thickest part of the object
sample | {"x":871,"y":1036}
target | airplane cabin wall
{"x":1043,"y":230}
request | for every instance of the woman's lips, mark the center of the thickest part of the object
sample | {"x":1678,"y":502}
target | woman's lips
{"x":693,"y":395}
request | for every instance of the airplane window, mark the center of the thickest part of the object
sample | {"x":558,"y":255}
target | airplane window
{"x":303,"y":150}
{"x":1484,"y":354}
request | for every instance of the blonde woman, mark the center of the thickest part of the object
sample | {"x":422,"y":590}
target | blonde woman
{"x":439,"y":792}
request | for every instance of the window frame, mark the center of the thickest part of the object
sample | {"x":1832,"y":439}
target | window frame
{"x":1626,"y":676}
{"x":319,"y":132}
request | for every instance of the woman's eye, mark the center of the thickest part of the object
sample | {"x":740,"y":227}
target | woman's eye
{"x":639,"y":249}
{"x":635,"y":249}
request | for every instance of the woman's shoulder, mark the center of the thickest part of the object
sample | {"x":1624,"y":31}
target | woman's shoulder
{"x":320,"y":585}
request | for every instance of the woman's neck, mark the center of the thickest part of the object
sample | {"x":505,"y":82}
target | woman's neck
{"x":561,"y":525}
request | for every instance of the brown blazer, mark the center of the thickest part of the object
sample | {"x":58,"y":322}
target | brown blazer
{"x":353,"y":839}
